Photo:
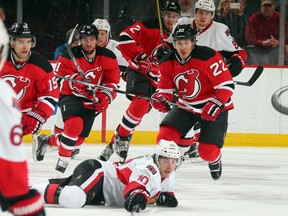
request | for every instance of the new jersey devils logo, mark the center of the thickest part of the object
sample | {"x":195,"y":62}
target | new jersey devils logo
{"x":188,"y":84}
{"x":93,"y":75}
{"x":18,"y":83}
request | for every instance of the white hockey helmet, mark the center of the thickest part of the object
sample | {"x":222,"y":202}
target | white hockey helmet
{"x":168,"y":149}
{"x":4,"y":41}
{"x":103,"y":24}
{"x":207,"y":5}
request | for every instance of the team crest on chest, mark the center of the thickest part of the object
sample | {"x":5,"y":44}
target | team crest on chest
{"x":18,"y":83}
{"x":92,"y":74}
{"x":188,"y":84}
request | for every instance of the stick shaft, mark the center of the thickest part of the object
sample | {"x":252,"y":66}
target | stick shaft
{"x":160,"y":22}
{"x":187,"y":106}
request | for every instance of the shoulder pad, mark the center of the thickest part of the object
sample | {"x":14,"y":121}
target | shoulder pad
{"x":151,"y":23}
{"x":40,"y":61}
{"x":203,"y":53}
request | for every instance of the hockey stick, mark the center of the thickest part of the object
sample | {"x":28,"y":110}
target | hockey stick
{"x":187,"y":106}
{"x":160,"y":22}
{"x":253,"y":79}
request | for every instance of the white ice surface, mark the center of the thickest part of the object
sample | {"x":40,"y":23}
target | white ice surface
{"x":254,"y":183}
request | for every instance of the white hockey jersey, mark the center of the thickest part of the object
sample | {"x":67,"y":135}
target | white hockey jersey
{"x":216,"y":36}
{"x":113,"y":46}
{"x":11,"y":148}
{"x":14,"y":167}
{"x":140,"y":172}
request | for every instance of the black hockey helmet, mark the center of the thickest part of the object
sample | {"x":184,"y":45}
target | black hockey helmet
{"x":171,"y":5}
{"x":88,"y":30}
{"x":184,"y":32}
{"x":21,"y":30}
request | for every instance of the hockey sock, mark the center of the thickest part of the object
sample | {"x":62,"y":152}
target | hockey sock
{"x":57,"y":129}
{"x":52,"y":192}
{"x":80,"y":141}
{"x":54,"y":140}
{"x":133,"y":116}
{"x":209,"y":152}
{"x":73,"y":127}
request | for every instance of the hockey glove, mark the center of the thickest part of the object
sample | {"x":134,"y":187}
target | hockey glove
{"x":141,"y":63}
{"x":161,"y":102}
{"x":104,"y":101}
{"x":166,"y":199}
{"x":32,"y":122}
{"x":161,"y":51}
{"x":80,"y":89}
{"x":29,"y":204}
{"x":136,"y":200}
{"x":211,"y":109}
{"x":236,"y":64}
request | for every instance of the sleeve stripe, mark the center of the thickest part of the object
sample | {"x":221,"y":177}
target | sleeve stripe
{"x":49,"y":101}
{"x":165,"y":90}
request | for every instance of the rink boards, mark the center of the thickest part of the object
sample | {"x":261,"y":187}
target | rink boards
{"x":260,"y":117}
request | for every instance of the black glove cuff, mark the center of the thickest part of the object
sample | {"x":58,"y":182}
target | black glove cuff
{"x":217,"y":102}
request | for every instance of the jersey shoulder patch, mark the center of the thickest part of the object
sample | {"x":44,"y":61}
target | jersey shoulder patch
{"x":203,"y":53}
{"x":151,"y":23}
{"x":76,"y":52}
{"x":40,"y":61}
{"x":168,"y":57}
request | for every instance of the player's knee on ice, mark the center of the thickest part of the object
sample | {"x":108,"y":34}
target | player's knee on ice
{"x":72,"y":197}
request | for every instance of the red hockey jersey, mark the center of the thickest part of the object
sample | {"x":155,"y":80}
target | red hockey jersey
{"x":143,"y":36}
{"x":203,"y":75}
{"x":34,"y":83}
{"x":101,"y":70}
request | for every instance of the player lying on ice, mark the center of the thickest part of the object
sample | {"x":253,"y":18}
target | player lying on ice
{"x":133,"y":184}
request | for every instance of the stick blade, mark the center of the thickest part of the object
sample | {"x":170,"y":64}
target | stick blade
{"x":254,"y":77}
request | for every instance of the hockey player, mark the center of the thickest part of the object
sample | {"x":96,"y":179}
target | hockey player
{"x":80,"y":105}
{"x":216,"y":36}
{"x":15,"y":195}
{"x":137,"y":43}
{"x":104,"y":40}
{"x":205,"y":87}
{"x":32,"y":78}
{"x":132,"y":184}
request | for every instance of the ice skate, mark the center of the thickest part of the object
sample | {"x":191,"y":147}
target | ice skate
{"x":75,"y":152}
{"x":121,"y":147}
{"x":39,"y":146}
{"x":193,"y":151}
{"x":62,"y":164}
{"x":106,"y":153}
{"x":216,"y":169}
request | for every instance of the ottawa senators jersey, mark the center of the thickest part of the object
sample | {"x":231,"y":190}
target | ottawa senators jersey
{"x":113,"y":46}
{"x":103,"y":69}
{"x":14,"y":170}
{"x":143,"y":36}
{"x":141,"y":172}
{"x":204,"y":74}
{"x":34,"y":83}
